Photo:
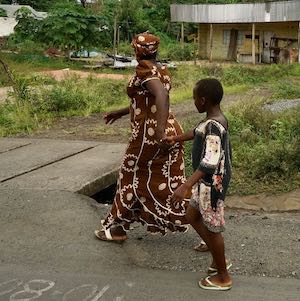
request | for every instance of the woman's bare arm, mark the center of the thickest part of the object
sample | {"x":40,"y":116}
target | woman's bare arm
{"x":156,"y":88}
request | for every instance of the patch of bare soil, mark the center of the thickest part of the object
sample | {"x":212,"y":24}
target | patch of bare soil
{"x":65,"y":73}
{"x":88,"y":128}
{"x":4,"y":92}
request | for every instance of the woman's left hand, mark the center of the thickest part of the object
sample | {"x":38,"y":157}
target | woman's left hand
{"x":161,"y":141}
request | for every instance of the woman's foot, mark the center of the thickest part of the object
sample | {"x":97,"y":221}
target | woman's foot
{"x":216,"y":283}
{"x":115,"y":234}
{"x":202,"y":247}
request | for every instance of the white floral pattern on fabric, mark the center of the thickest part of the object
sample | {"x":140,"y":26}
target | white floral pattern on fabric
{"x":213,"y":219}
{"x":148,"y":176}
{"x":212,"y":150}
{"x":211,"y":154}
{"x":129,"y":162}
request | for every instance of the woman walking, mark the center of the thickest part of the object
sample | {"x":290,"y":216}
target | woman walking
{"x":150,"y":170}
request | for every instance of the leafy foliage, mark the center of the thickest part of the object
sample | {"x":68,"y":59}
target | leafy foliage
{"x":27,"y":26}
{"x":71,"y":26}
{"x":266,"y":146}
{"x":3,"y":13}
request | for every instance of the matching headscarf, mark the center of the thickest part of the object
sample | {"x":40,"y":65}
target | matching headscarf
{"x":145,"y":44}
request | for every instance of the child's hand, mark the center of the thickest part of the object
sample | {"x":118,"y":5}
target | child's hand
{"x":169,"y":140}
{"x":179,"y":194}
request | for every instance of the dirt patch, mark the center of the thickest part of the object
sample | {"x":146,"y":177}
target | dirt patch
{"x":65,"y":73}
{"x":89,"y":128}
{"x":4,"y":92}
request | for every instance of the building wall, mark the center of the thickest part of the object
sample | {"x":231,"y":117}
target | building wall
{"x":204,"y":40}
{"x":7,"y":26}
{"x":220,"y":49}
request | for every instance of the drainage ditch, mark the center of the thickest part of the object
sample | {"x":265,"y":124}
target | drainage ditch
{"x":105,"y":196}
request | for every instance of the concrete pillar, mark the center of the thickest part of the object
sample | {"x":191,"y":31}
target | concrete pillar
{"x":182,"y":35}
{"x":199,"y":46}
{"x":210,"y":42}
{"x":253,"y":43}
{"x":299,"y":42}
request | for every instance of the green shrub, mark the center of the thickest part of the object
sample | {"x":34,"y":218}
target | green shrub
{"x":79,"y":96}
{"x":241,"y":74}
{"x":213,"y":70}
{"x":286,"y":90}
{"x":3,"y":13}
{"x":252,"y":116}
{"x":28,"y":107}
{"x":266,"y":147}
{"x":27,"y":46}
{"x":175,"y":52}
{"x":125,"y":48}
{"x":186,"y":76}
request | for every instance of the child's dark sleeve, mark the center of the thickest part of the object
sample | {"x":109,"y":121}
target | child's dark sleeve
{"x":212,"y":149}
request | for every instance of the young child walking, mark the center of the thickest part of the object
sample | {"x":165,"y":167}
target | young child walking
{"x":211,"y":160}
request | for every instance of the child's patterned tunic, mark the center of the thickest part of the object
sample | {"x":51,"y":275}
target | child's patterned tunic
{"x":211,"y":154}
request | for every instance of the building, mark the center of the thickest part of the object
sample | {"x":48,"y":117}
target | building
{"x":253,"y":32}
{"x":7,"y":26}
{"x":8,"y":23}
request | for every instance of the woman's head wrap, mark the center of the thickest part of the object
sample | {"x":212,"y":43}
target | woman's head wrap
{"x":145,"y":44}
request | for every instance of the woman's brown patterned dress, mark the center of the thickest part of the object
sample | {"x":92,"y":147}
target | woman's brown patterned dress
{"x":148,"y":175}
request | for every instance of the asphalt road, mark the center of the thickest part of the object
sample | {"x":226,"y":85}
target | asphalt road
{"x":48,"y":252}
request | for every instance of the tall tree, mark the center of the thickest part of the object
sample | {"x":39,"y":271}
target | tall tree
{"x":28,"y":26}
{"x":70,"y":26}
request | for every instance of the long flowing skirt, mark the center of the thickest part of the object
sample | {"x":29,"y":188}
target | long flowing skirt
{"x":147,"y":178}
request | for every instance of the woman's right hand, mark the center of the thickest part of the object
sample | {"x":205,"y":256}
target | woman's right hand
{"x":111,"y":117}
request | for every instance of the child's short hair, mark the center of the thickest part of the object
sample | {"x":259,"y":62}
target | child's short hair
{"x":210,"y":88}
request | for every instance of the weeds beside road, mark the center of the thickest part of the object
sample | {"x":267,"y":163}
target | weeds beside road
{"x":266,"y":144}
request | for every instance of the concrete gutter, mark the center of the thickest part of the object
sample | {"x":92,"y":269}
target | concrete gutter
{"x":76,"y":166}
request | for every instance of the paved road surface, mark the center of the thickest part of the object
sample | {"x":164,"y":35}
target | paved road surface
{"x":48,"y":251}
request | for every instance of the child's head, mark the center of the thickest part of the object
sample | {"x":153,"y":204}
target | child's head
{"x":207,"y":93}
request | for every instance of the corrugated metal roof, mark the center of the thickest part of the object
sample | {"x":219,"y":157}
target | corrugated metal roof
{"x":237,"y":13}
{"x":11,"y":10}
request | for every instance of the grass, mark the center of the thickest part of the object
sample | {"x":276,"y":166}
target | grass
{"x":266,"y":145}
{"x":286,"y":89}
{"x":70,"y":97}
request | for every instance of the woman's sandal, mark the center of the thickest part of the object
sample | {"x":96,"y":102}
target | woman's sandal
{"x":105,"y":235}
{"x":213,"y":271}
{"x":202,"y":247}
{"x":207,"y":284}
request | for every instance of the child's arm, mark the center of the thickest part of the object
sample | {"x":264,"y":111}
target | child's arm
{"x":184,"y":137}
{"x":211,"y":155}
{"x":180,"y":193}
